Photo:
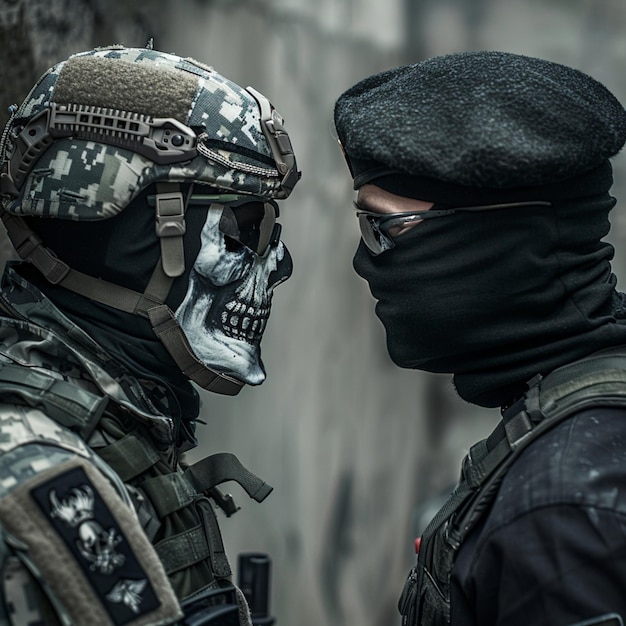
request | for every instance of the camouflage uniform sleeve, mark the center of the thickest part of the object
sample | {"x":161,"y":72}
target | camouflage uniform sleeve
{"x":70,"y":545}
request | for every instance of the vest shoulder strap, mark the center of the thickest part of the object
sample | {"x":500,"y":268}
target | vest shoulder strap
{"x":598,"y":380}
{"x":73,"y":407}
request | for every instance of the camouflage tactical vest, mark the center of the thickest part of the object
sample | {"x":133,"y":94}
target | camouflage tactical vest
{"x":175,"y":505}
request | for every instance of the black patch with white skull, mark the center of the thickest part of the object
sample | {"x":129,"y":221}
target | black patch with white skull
{"x":84,"y":522}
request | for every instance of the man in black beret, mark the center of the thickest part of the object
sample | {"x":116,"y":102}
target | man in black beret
{"x":483,"y":199}
{"x":139,"y":189}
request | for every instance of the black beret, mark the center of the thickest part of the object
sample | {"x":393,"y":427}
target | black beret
{"x":480,"y":120}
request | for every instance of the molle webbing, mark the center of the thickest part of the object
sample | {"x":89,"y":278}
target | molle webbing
{"x":596,"y":381}
{"x":130,"y":456}
{"x":187,"y":535}
{"x":190,"y":536}
{"x":194,"y":545}
{"x":73,"y":407}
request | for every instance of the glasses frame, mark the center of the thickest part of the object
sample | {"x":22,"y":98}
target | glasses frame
{"x":375,"y":226}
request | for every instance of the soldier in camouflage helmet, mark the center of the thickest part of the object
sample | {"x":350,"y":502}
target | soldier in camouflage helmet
{"x":139,"y":189}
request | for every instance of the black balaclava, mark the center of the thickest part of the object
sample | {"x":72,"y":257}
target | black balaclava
{"x":495,"y":297}
{"x":124,"y":250}
{"x":535,"y":293}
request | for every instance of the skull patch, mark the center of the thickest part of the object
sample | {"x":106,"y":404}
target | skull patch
{"x":227,"y":304}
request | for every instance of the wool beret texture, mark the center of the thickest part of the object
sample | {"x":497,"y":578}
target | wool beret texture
{"x":480,"y":120}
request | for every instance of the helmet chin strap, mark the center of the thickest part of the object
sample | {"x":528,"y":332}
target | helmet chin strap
{"x":170,"y":228}
{"x":168,"y":330}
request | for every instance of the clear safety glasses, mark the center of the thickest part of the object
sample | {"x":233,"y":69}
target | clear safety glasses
{"x":378,"y":230}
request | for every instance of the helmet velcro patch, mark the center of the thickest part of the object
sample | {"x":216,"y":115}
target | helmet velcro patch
{"x":153,"y":90}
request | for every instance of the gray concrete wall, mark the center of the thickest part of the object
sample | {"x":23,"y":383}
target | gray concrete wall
{"x":354,"y":447}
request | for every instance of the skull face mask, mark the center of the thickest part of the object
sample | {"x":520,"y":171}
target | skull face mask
{"x":227,"y":304}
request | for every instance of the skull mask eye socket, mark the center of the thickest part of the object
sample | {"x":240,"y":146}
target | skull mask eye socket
{"x":252,"y":224}
{"x":244,"y":221}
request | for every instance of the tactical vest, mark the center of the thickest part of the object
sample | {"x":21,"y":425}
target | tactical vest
{"x":175,"y":506}
{"x":595,"y":381}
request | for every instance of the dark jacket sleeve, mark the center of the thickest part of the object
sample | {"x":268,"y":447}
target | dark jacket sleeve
{"x":552,"y":550}
{"x":556,"y":566}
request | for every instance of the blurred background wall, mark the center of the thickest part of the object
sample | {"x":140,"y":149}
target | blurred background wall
{"x":358,"y":451}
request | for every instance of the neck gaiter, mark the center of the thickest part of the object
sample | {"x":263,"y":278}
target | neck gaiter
{"x":498,"y":297}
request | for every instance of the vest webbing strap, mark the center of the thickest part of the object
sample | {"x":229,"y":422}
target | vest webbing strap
{"x":130,"y":456}
{"x":224,"y":466}
{"x":180,"y":551}
{"x":171,"y":492}
{"x":72,"y":407}
{"x":596,"y":381}
{"x":168,"y":493}
{"x":219,"y":560}
{"x":196,"y":544}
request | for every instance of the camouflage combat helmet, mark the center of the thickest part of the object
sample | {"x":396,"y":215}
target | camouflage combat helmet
{"x":103,"y":125}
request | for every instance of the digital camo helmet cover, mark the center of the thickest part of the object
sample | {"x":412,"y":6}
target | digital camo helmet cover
{"x":102,"y":126}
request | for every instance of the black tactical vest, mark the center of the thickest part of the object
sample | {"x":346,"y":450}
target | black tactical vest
{"x":598,"y":380}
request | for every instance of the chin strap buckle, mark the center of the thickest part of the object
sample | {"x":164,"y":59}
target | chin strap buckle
{"x":170,"y":227}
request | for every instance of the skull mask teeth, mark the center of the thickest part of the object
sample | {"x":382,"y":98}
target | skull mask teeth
{"x":227,"y":304}
{"x":244,"y":321}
